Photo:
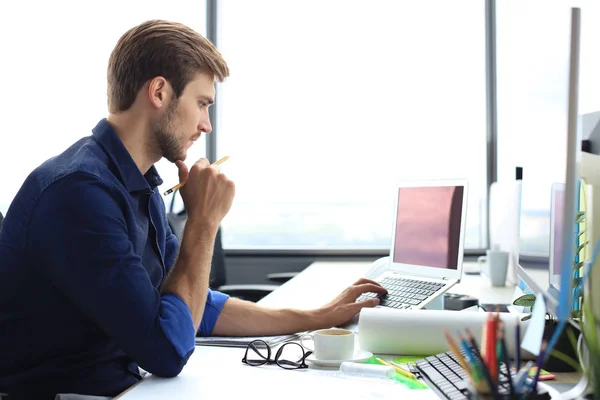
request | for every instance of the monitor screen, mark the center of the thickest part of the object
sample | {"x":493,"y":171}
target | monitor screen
{"x":428,"y":226}
{"x":559,"y":303}
{"x":557,"y":227}
{"x":534,"y":225}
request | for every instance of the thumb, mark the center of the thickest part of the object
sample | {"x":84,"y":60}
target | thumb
{"x":183,"y":171}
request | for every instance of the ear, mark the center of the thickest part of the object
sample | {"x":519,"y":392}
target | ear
{"x":158,"y":91}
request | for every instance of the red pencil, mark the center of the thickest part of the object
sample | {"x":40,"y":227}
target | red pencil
{"x":492,"y":356}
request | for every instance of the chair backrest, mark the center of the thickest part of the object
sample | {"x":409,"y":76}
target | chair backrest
{"x":218,"y":276}
{"x":1,"y":218}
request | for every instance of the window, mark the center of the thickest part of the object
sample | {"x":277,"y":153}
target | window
{"x":533,"y":73}
{"x":330,"y":103}
{"x":54,"y":60}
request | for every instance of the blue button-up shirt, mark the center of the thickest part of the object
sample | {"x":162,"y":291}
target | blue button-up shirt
{"x":84,"y":248}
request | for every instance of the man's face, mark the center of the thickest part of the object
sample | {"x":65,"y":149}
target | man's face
{"x":184,"y":119}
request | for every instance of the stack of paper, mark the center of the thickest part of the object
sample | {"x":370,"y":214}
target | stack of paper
{"x":244,"y":341}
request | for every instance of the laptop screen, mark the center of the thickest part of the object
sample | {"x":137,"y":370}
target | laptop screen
{"x":428,"y":223}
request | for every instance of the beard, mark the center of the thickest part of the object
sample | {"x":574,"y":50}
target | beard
{"x":167,"y":140}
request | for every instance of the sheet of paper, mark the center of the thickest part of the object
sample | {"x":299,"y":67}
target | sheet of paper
{"x":241,"y":341}
{"x":532,"y":342}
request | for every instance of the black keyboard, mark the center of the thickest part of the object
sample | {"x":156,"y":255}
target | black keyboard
{"x":448,"y":379}
{"x":404,"y":293}
{"x":444,"y":375}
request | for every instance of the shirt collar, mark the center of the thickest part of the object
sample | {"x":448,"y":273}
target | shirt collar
{"x":130,"y":174}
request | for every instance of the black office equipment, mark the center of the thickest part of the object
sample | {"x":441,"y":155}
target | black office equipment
{"x":519,"y":173}
{"x":447,"y":378}
{"x":457,"y":302}
{"x":493,"y":307}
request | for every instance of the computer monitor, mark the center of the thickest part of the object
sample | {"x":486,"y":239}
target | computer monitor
{"x":557,"y":227}
{"x":505,"y":205}
{"x":558,"y":302}
{"x":532,"y":267}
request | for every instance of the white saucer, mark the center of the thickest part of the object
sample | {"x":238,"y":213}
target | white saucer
{"x":361,"y":355}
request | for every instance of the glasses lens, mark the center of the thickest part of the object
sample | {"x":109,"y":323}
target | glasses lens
{"x":290,"y":356}
{"x":257,"y":353}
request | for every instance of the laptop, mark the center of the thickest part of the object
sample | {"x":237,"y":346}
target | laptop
{"x":426,"y":253}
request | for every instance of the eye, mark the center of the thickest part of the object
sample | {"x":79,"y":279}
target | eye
{"x":202,"y":104}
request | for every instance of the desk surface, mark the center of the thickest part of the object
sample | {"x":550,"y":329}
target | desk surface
{"x":326,"y":279}
{"x":219,"y":372}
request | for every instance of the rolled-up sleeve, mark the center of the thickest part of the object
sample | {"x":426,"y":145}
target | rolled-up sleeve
{"x":214,"y":301}
{"x":214,"y":305}
{"x":79,"y":237}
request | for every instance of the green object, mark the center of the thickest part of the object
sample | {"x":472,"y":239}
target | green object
{"x":591,"y":331}
{"x":410,"y":383}
{"x":533,"y":371}
{"x":408,"y":359}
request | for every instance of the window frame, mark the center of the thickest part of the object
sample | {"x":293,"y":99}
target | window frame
{"x":212,"y":31}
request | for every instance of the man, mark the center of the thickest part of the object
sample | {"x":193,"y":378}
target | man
{"x":93,"y":283}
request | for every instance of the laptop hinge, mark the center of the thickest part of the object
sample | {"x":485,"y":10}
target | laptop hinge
{"x":446,"y":278}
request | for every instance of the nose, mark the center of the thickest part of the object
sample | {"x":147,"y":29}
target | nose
{"x":204,"y":124}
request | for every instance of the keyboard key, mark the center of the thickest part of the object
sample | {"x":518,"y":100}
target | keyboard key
{"x":403,"y":293}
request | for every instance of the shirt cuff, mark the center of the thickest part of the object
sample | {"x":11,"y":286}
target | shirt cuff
{"x":177,"y":324}
{"x":214,"y":304}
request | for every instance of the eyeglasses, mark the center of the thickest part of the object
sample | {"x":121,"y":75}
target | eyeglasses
{"x":290,"y":355}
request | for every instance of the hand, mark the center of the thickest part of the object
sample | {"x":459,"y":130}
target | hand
{"x":207,"y":193}
{"x":341,"y":309}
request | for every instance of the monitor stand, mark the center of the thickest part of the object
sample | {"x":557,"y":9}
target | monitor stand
{"x":578,"y":391}
{"x":583,"y":387}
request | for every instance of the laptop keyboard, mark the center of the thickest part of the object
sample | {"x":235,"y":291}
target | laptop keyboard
{"x":403,"y":293}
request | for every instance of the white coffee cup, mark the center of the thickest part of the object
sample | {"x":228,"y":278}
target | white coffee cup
{"x":331,"y":344}
{"x":496,"y":266}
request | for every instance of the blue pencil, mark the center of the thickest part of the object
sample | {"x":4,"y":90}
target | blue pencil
{"x":518,"y":345}
{"x":484,"y":369}
{"x":507,"y":365}
{"x":540,"y":361}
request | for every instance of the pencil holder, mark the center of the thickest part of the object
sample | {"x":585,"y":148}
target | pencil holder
{"x":503,"y":394}
{"x":489,"y":396}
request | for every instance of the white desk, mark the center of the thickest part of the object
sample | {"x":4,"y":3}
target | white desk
{"x":217,"y":372}
{"x":318,"y":283}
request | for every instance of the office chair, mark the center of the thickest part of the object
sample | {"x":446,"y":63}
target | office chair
{"x":1,"y":218}
{"x":218,"y":277}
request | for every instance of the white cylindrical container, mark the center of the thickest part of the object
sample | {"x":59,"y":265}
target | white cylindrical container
{"x":372,"y":370}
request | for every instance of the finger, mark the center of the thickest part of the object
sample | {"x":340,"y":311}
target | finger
{"x":203,"y":162}
{"x":369,"y":287}
{"x":183,"y":171}
{"x":366,"y":303}
{"x":365,"y":280}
